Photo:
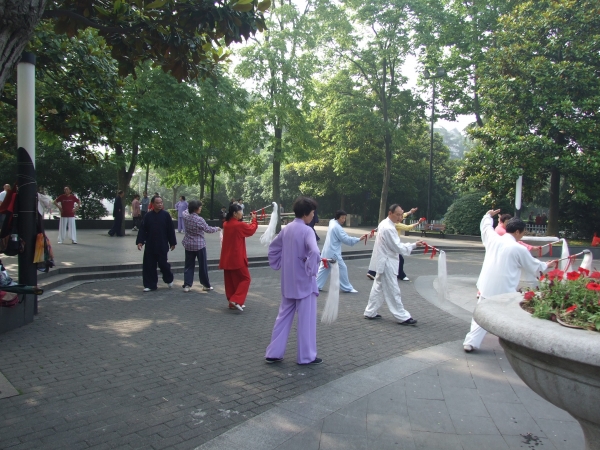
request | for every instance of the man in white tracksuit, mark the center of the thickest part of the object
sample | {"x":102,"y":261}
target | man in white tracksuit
{"x":384,"y":261}
{"x":502,"y":265}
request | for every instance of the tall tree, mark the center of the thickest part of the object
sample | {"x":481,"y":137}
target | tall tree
{"x":374,"y":54}
{"x":281,"y":65}
{"x":541,"y":94}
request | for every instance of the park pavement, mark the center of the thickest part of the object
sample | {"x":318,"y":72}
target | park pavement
{"x":107,"y":366}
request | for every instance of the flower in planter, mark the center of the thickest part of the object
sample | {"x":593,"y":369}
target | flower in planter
{"x":595,"y":275}
{"x":570,"y":309}
{"x":555,"y":274}
{"x":593,"y":286}
{"x":583,"y":271}
{"x":529,"y":295}
{"x":573,"y":275}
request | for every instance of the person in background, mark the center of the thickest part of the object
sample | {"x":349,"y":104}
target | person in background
{"x":195,"y":246}
{"x":68,"y":205}
{"x":2,"y":197}
{"x":145,"y":203}
{"x":223,"y":215}
{"x":118,"y":214}
{"x":241,"y":203}
{"x":234,"y":261}
{"x":314,"y":221}
{"x":336,"y":236}
{"x":157,"y":234}
{"x":181,"y":206}
{"x":136,"y":212}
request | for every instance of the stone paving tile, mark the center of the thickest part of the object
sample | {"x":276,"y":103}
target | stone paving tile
{"x":106,"y":350}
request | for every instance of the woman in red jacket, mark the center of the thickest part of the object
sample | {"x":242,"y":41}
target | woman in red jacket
{"x":233,"y":256}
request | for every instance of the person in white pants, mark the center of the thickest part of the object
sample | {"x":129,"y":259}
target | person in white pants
{"x":502,"y":265}
{"x":68,"y":205}
{"x":384,"y":261}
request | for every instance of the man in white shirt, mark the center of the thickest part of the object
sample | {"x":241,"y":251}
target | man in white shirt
{"x":384,"y":261}
{"x":502,"y":265}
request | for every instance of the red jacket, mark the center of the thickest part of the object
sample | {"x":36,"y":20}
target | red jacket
{"x":233,"y":251}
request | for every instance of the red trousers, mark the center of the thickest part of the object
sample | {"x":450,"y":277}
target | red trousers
{"x":237,"y":283}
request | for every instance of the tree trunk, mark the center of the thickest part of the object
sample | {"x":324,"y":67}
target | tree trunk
{"x":146,"y":183}
{"x":124,"y":173}
{"x":175,"y":190}
{"x":342,"y":201}
{"x":554,"y":202}
{"x":476,"y":104}
{"x":277,"y":156}
{"x":202,"y":178}
{"x":387,"y":140}
{"x":18,"y":19}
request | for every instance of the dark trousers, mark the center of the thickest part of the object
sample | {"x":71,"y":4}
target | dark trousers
{"x":190,"y":266}
{"x":116,"y":228}
{"x":137,"y":221}
{"x":401,"y":273}
{"x":149,"y":275}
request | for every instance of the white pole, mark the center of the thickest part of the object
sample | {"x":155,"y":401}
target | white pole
{"x":26,"y":104}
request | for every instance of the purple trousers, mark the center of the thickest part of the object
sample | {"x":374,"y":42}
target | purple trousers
{"x":307,"y":329}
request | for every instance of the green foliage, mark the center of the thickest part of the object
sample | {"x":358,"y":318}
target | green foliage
{"x":541,"y":96}
{"x":574,"y":301}
{"x":173,"y":213}
{"x":91,"y":209}
{"x":464,"y":215}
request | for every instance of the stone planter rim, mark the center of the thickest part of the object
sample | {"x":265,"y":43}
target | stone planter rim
{"x":503,"y":316}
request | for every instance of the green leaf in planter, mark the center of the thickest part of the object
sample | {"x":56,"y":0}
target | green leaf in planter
{"x":242,"y":8}
{"x":156,"y":4}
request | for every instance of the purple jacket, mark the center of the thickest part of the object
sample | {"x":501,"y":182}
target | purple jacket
{"x":295,"y":252}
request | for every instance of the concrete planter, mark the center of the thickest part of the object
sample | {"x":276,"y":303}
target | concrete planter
{"x":560,"y":364}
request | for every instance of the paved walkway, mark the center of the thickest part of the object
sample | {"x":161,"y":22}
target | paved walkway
{"x":107,"y":366}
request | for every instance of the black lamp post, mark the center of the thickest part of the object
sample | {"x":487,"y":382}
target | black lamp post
{"x":440,"y":72}
{"x":212,"y":186}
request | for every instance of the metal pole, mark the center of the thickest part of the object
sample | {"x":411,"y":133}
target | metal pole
{"x":431,"y":154}
{"x":518,"y":194}
{"x":27,"y":211}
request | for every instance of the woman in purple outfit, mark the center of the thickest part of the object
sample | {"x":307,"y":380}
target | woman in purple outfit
{"x":181,"y":206}
{"x":295,"y":252}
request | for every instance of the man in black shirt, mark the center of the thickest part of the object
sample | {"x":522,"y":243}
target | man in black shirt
{"x":158,"y":234}
{"x":118,"y":213}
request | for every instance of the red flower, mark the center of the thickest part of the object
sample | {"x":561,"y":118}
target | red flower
{"x":595,"y":275}
{"x":593,"y":286}
{"x":555,"y":274}
{"x":529,"y":295}
{"x":573,"y":275}
{"x":584,"y":271}
{"x":570,"y":309}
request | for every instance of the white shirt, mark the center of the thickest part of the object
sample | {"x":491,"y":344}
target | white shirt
{"x":44,"y":203}
{"x":336,"y":236}
{"x":504,"y":260}
{"x":2,"y":196}
{"x":387,"y":247}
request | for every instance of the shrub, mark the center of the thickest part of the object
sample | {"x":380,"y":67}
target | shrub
{"x":173,"y":213}
{"x":464,"y":215}
{"x":91,"y":209}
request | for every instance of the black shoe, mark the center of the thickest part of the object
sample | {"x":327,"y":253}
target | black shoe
{"x":273,"y":360}
{"x":370,"y":277}
{"x":314,"y":363}
{"x":409,"y":321}
{"x":378,"y":316}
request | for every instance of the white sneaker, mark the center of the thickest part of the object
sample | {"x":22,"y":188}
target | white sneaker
{"x":147,"y":289}
{"x":186,"y":289}
{"x":353,"y":291}
{"x":204,"y":288}
{"x":468,"y":348}
{"x":170,"y":285}
{"x":405,"y":279}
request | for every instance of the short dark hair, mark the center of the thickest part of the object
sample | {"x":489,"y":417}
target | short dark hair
{"x":183,"y":197}
{"x":239,"y":199}
{"x":119,"y":192}
{"x":303,"y":206}
{"x":514,"y":225}
{"x":136,"y":196}
{"x":67,"y":186}
{"x":193,"y":205}
{"x":232,"y":210}
{"x":393,"y":207}
{"x":154,"y":197}
{"x":504,"y":217}
{"x":339,"y":213}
